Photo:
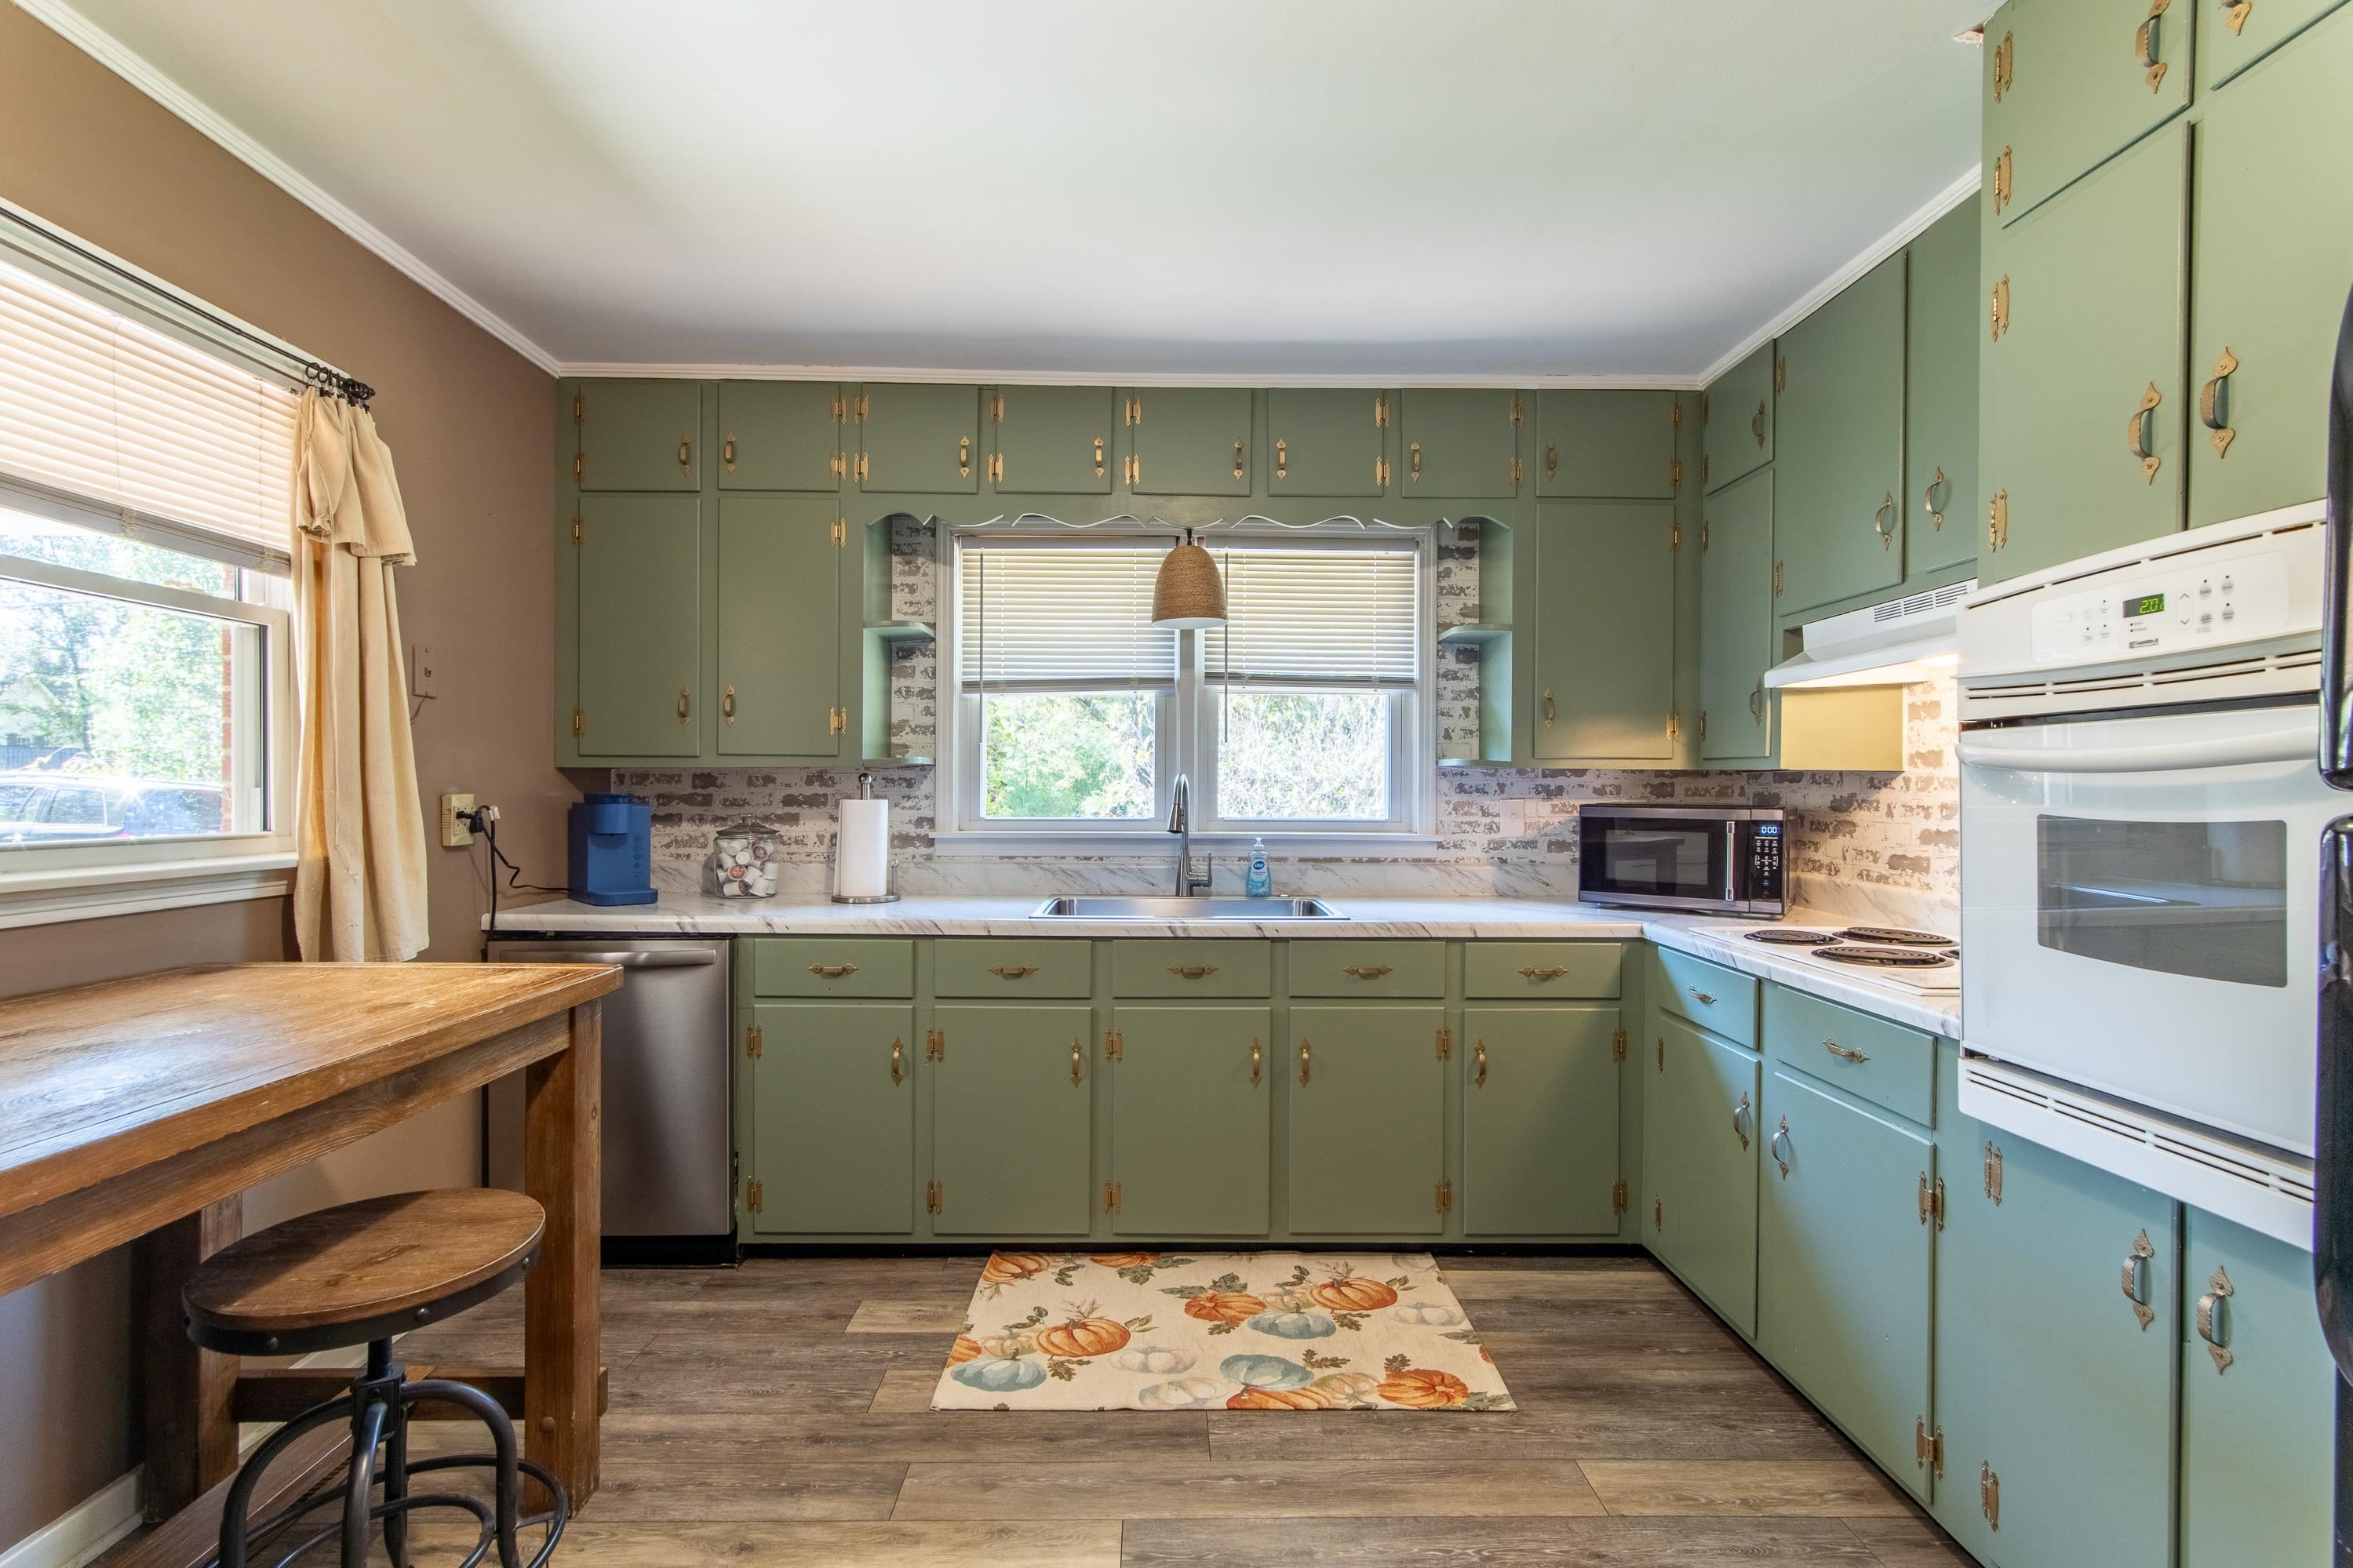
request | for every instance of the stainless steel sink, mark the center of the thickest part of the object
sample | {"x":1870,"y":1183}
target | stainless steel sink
{"x":1092,"y":908}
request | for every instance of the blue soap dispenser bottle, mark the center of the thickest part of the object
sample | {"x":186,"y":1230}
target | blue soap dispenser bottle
{"x":1258,"y":884}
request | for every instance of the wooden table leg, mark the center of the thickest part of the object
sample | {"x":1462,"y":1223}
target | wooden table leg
{"x":191,"y":1434}
{"x":562,"y":1169}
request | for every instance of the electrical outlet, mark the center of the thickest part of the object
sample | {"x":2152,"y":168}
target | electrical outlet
{"x":454,"y":832}
{"x":422,"y":681}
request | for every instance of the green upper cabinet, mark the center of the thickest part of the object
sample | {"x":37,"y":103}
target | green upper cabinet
{"x":2264,"y":308}
{"x":779,"y":435}
{"x":1327,"y":442}
{"x":2258,"y":1402}
{"x":1367,"y":1092}
{"x":2081,"y":392}
{"x":779,"y":627}
{"x":918,"y":440}
{"x":1838,"y":462}
{"x":1940,"y":395}
{"x":1615,"y":444}
{"x":832,"y":1124}
{"x":1011,"y":1118}
{"x":1737,"y":420}
{"x":1189,"y":441}
{"x":638,"y":620}
{"x":2242,"y":32}
{"x":1051,"y":440}
{"x":1605,"y":637}
{"x":1540,"y":1121}
{"x":1698,"y":1201}
{"x":1191,"y":1144}
{"x":1458,"y":443}
{"x":1735,"y":623}
{"x":637,"y":435}
{"x":2071,"y":83}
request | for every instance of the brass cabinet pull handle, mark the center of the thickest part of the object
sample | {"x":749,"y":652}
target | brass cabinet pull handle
{"x":1099,"y":457}
{"x":898,"y":1059}
{"x":1012,"y":971}
{"x":1740,"y":1121}
{"x":1365,"y":971}
{"x":1549,"y":711}
{"x":1533,"y":974}
{"x":1192,"y":971}
{"x":1075,"y":1054}
{"x":727,"y":452}
{"x":1845,"y":1053}
{"x":2213,"y":404}
{"x":1238,"y":459}
{"x":2213,"y":1320}
{"x":1282,"y":459}
{"x":1882,"y":519}
{"x":1701,"y":997}
{"x":1780,"y":1137}
{"x":1479,"y":1079}
{"x":1928,"y":499}
{"x":832,"y":971}
{"x":2234,"y":12}
{"x":2134,"y":1282}
{"x":2136,"y":433}
{"x":727,"y":705}
{"x":685,"y":456}
{"x":2146,"y":42}
{"x":963,"y":457}
{"x":1303,"y":1061}
{"x":1756,"y":426}
{"x":1414,"y":450}
{"x":685,"y":707}
{"x":1757,"y":702}
{"x":1257,"y":1058}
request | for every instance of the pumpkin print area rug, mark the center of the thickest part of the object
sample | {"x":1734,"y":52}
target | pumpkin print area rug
{"x":1227,"y":1330}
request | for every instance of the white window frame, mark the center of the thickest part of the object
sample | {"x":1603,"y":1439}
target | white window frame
{"x":1186,"y":727}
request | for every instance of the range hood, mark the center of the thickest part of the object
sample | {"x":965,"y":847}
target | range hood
{"x":1912,"y":638}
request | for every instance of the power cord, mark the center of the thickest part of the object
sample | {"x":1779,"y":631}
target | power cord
{"x":484,"y":820}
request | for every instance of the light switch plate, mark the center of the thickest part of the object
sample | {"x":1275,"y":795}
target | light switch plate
{"x":422,"y":680}
{"x":456,"y":835}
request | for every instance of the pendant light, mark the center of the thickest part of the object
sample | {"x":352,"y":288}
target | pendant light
{"x":1189,"y":592}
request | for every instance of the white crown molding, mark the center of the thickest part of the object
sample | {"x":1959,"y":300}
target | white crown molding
{"x":884,"y":374}
{"x":103,"y":48}
{"x":1814,"y":298}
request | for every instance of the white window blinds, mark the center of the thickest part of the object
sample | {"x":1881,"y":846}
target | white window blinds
{"x":1310,"y":616}
{"x":105,"y":414}
{"x":1046,"y":615}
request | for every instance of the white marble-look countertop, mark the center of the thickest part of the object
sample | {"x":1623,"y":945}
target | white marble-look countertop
{"x":1419,"y":919}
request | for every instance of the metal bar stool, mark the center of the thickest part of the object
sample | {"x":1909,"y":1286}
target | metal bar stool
{"x":358,"y":1274}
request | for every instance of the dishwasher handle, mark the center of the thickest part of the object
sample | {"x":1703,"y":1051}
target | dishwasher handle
{"x":627,"y":958}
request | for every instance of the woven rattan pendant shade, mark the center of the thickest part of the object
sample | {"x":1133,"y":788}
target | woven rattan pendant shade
{"x":1189,"y":592}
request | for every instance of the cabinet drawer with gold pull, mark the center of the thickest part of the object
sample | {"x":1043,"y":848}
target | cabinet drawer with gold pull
{"x":1188,"y":966}
{"x":1720,"y":1000}
{"x":832,"y":966}
{"x":1017,"y":967}
{"x":1543,"y":971}
{"x":1349,"y":968}
{"x":1891,"y":1066}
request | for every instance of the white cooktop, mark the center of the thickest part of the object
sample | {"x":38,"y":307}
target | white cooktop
{"x":1921,"y":961}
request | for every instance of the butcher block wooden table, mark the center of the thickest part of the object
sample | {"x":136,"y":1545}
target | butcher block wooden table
{"x":146,"y":1106}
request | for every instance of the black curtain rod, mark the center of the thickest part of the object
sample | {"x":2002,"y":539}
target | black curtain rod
{"x":325,"y":377}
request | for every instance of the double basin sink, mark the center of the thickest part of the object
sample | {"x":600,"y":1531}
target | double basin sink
{"x":1121,"y":909}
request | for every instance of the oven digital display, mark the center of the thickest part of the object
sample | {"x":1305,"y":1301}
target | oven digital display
{"x":2146,"y":604}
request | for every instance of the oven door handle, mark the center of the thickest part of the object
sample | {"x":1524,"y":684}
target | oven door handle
{"x":2290,"y":745}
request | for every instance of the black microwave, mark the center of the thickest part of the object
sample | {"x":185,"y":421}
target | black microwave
{"x":1721,"y":859}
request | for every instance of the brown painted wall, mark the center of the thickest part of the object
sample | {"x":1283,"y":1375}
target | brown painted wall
{"x":470,"y":424}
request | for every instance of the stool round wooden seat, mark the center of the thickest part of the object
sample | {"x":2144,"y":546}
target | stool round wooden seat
{"x":359,"y":1274}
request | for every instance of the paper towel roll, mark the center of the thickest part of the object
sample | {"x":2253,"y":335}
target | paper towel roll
{"x":861,"y":857}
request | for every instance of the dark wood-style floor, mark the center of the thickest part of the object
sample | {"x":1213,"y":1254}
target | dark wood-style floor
{"x":778,"y":1415}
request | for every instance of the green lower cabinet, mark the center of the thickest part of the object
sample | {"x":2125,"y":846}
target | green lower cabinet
{"x":1012,"y":1113}
{"x":1540,"y":1121}
{"x":639,"y":623}
{"x":1844,"y":1265}
{"x":2258,"y":1419}
{"x":1737,"y":640}
{"x":779,"y":618}
{"x":2054,"y":1389}
{"x":833,"y":1120}
{"x":1605,"y":631}
{"x":1368,"y":1092}
{"x":1698,"y":1199}
{"x":1191,"y":1146}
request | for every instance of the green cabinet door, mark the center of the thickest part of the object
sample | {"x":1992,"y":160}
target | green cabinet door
{"x":1737,"y":640}
{"x":1697,"y":1201}
{"x":1615,"y":444}
{"x":779,"y":435}
{"x":1328,"y":441}
{"x":1011,"y":1113}
{"x":1189,"y":441}
{"x":833,"y":1119}
{"x":2081,"y":391}
{"x":1842,"y":1263}
{"x":1191,"y":1133}
{"x":1940,"y":396}
{"x":640,"y":627}
{"x":2258,"y":1419}
{"x":1737,"y":420}
{"x":779,"y":616}
{"x":1605,"y":630}
{"x":1458,"y":443}
{"x":1367,"y":1092}
{"x":2075,"y":82}
{"x":1838,"y":463}
{"x":638,"y":434}
{"x":1051,"y":440}
{"x":2263,"y":308}
{"x":1540,"y":1121}
{"x":2054,"y":1400}
{"x":918,"y":440}
{"x":2240,"y":34}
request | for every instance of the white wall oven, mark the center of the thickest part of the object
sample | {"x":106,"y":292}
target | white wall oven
{"x":2140,"y":807}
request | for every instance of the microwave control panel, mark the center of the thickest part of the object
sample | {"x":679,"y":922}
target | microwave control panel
{"x":2166,"y":608}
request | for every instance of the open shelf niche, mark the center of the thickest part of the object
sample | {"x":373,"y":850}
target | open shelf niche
{"x":879,"y":645}
{"x":1489,"y":630}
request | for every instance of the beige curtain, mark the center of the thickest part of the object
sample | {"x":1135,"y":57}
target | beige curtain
{"x":359,"y":887}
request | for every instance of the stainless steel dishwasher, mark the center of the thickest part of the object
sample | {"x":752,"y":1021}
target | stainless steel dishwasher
{"x":669,"y":1147}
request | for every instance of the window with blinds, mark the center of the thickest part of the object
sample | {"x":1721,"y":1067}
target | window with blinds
{"x":1317,"y":617}
{"x":103,"y":414}
{"x":1052,"y":617}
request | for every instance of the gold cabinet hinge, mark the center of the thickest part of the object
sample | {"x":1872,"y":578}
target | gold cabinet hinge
{"x":1702,"y":539}
{"x":1776,"y":579}
{"x":752,"y":1042}
{"x":935,"y":1045}
{"x":1618,"y":1046}
{"x":1932,"y":1200}
{"x":837,"y":406}
{"x":1676,"y":413}
{"x":836,"y":721}
{"x":1445,"y":1044}
{"x":1928,"y":1448}
{"x":579,"y":463}
{"x":1702,"y":723}
{"x":1702,"y":408}
{"x":1515,"y":473}
{"x":1997,"y":520}
{"x":1133,"y":408}
{"x":1114,"y":1046}
{"x":1780,"y":375}
{"x":1618,"y":1198}
{"x":1381,"y":472}
{"x":752,"y":1197}
{"x":861,"y":408}
{"x":933,"y":1195}
{"x":1674,"y":539}
{"x":1658,"y":1214}
{"x":579,"y":722}
{"x":1674,"y":725}
{"x":1993,"y":1173}
{"x":1989,"y":1496}
{"x":858,"y":469}
{"x":579,"y":407}
{"x":997,"y":407}
{"x":997,"y":468}
{"x":2001,"y":180}
{"x":1515,"y":409}
{"x":833,"y":467}
{"x":576,"y":529}
{"x":1134,"y":470}
{"x":1445,"y":1196}
{"x":2005,"y":56}
{"x":2000,"y":308}
{"x":1675,"y":474}
{"x":1110,"y":1197}
{"x":840,"y":532}
{"x":1380,"y":410}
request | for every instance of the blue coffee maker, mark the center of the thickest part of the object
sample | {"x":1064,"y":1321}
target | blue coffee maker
{"x":612,"y":850}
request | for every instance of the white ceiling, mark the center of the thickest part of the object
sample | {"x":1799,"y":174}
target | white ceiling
{"x":1239,"y":189}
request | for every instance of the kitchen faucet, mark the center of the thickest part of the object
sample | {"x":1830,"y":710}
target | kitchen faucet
{"x":1181,"y":823}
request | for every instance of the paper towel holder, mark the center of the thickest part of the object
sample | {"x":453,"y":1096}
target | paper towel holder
{"x":891,"y":873}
